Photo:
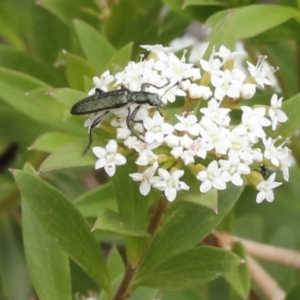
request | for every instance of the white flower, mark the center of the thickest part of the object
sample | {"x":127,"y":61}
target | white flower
{"x":261,"y":71}
{"x":102,"y":83}
{"x":146,"y":179}
{"x":275,"y":112}
{"x":146,"y":157}
{"x":234,"y":168}
{"x":109,"y":158}
{"x":212,"y":177}
{"x":226,"y":54}
{"x":156,"y":128}
{"x":187,"y":123}
{"x":252,"y":122}
{"x":175,"y":68}
{"x":248,"y":90}
{"x":183,"y":150}
{"x":285,"y":161}
{"x":214,"y":136}
{"x":229,"y":83}
{"x":199,"y":148}
{"x":170,"y":184}
{"x":157,"y":48}
{"x":215,"y":113}
{"x":266,"y":189}
{"x":199,"y":91}
{"x":271,"y":152}
{"x":213,"y":65}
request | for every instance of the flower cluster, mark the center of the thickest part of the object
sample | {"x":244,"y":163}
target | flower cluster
{"x":206,"y":137}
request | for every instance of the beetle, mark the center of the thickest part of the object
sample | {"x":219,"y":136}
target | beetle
{"x":108,"y":101}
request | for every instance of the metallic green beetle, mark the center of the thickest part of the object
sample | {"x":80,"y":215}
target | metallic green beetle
{"x":108,"y":101}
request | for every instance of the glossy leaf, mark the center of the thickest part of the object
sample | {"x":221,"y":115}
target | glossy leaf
{"x":144,"y":293}
{"x":120,"y":58}
{"x":94,"y":45}
{"x":93,"y":203}
{"x":291,"y":107}
{"x":47,"y":262}
{"x":132,"y":207}
{"x":131,"y":204}
{"x":46,"y":43}
{"x":141,"y":23}
{"x":185,"y":226}
{"x":65,"y":10}
{"x":20,"y":81}
{"x":51,"y":141}
{"x":15,"y":281}
{"x":203,"y":2}
{"x":209,"y":199}
{"x":67,"y":97}
{"x":68,"y":156}
{"x":77,"y":69}
{"x":189,"y":268}
{"x":273,"y":15}
{"x":115,"y":263}
{"x":65,"y":224}
{"x":221,"y":35}
{"x":239,"y":278}
{"x":24,"y":63}
{"x":111,"y":221}
{"x":193,"y":12}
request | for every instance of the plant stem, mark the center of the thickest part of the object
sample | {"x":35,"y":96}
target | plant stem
{"x":124,"y":290}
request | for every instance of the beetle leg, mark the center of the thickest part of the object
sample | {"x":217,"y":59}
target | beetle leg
{"x":99,"y":91}
{"x":159,"y":112}
{"x":145,"y":85}
{"x":130,"y":118}
{"x":93,"y":125}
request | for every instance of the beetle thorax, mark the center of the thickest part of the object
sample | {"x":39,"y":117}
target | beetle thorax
{"x":145,"y":98}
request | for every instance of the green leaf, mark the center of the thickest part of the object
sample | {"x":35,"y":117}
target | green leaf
{"x":77,"y":69}
{"x":120,"y":58}
{"x":185,"y":225}
{"x":95,"y":202}
{"x":291,"y":107}
{"x":132,"y":207}
{"x":190,"y":294}
{"x":68,"y":156}
{"x":19,"y":81}
{"x":115,"y":263}
{"x":51,"y":141}
{"x":111,"y":221}
{"x":12,"y":30}
{"x":13,"y":124}
{"x":28,"y":64}
{"x":222,"y":34}
{"x":131,"y":204}
{"x":189,"y":268}
{"x":195,"y":12}
{"x":66,"y":10}
{"x":239,"y":278}
{"x":46,"y":43}
{"x":67,"y":97}
{"x":15,"y":282}
{"x":203,"y":2}
{"x":286,"y":277}
{"x":43,"y":109}
{"x":144,"y":293}
{"x":140,"y":27}
{"x":65,"y":224}
{"x":48,"y":264}
{"x":94,"y":45}
{"x":273,"y":15}
{"x":209,"y":199}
